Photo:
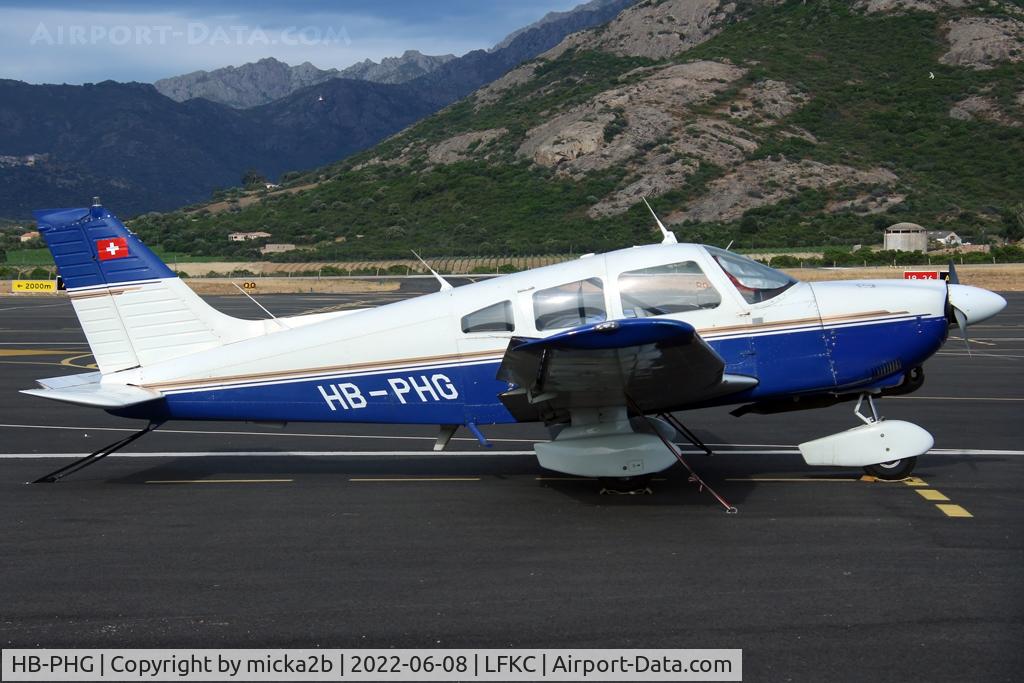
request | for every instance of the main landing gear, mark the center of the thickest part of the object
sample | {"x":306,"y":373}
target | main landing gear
{"x":694,"y":478}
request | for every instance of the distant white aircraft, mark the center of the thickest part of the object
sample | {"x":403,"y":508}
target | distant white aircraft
{"x":602,"y":349}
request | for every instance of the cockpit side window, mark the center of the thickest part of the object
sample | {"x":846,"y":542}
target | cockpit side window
{"x":495,"y":318}
{"x":569,"y":305}
{"x":755,"y":281}
{"x":665,"y":289}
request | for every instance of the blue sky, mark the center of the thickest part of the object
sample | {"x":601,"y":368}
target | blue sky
{"x":62,"y":41}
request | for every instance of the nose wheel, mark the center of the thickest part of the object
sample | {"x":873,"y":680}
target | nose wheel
{"x":894,"y":470}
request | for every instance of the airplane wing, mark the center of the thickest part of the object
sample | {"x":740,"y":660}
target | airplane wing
{"x":85,"y":390}
{"x":660,"y":364}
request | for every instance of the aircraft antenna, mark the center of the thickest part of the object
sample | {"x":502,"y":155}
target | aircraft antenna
{"x":272,"y":316}
{"x":445,"y":285}
{"x":667,"y":236}
{"x":730,"y":245}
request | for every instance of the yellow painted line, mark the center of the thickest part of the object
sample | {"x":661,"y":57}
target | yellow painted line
{"x":932,"y":494}
{"x":380,"y":479}
{"x":30,"y":362}
{"x":220,"y":481}
{"x":565,"y":478}
{"x":33,"y":352}
{"x":585,"y":478}
{"x":915,"y":481}
{"x":70,"y":362}
{"x":952,"y":510}
{"x":796,"y":479}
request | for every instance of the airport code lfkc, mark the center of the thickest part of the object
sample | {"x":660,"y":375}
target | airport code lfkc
{"x":373,"y":665}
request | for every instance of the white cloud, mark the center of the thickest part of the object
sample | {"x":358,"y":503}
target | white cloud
{"x":57,"y":46}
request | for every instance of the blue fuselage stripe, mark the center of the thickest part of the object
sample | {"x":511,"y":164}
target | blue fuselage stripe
{"x":797,"y":362}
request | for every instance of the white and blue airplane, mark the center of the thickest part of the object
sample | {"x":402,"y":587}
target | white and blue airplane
{"x":595,"y":348}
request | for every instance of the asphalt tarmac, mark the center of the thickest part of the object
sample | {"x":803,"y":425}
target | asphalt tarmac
{"x":243,"y":535}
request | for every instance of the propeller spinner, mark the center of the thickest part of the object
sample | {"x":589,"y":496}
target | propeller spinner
{"x":968,"y":305}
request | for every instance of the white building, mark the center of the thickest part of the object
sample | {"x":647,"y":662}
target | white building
{"x":247,"y":236}
{"x":906,"y":237}
{"x":276,"y":248}
{"x":942,"y":239}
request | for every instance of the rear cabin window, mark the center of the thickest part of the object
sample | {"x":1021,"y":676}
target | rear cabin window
{"x":570,"y":305}
{"x":496,"y":318}
{"x":662,"y":290}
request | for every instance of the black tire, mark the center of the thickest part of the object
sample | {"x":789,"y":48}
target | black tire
{"x":894,"y":470}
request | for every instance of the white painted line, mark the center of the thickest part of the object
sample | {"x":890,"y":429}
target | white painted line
{"x":431,"y":439}
{"x":256,"y":454}
{"x":17,"y":308}
{"x":951,"y":398}
{"x":49,"y":343}
{"x":976,"y":354}
{"x":432,"y":454}
{"x":970,"y":451}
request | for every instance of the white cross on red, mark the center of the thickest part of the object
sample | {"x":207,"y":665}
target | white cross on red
{"x":112,"y":248}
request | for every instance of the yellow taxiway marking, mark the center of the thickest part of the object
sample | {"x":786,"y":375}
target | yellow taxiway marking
{"x":70,"y":362}
{"x":952,"y":510}
{"x":798,"y":479}
{"x":949,"y":509}
{"x":220,"y":481}
{"x":585,"y":478}
{"x":34,"y":352}
{"x":388,"y":479}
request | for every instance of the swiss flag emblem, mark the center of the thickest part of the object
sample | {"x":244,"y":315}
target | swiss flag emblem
{"x":111,"y":248}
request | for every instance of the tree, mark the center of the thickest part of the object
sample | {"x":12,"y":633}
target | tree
{"x":253,"y":178}
{"x":1015,"y":227}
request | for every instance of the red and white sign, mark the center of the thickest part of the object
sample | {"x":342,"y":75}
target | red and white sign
{"x":920,"y":275}
{"x":111,"y":248}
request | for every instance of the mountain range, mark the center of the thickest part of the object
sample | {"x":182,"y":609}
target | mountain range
{"x":267,"y":80}
{"x":770,"y":123}
{"x":141,"y":150}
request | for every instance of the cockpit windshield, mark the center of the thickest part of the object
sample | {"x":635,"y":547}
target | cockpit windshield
{"x":755,"y":281}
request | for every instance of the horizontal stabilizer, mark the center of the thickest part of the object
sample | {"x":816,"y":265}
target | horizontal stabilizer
{"x":98,"y":395}
{"x":65,"y":381}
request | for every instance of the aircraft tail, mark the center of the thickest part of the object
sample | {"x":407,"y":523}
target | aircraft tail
{"x":133,"y":309}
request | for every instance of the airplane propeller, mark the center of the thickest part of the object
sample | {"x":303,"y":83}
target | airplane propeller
{"x":958,"y":316}
{"x":966,"y":305}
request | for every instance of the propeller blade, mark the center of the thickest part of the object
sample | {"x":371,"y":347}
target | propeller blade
{"x":958,"y":315}
{"x":954,"y":279}
{"x":961,"y":322}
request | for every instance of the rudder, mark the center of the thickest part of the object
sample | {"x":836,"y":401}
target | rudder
{"x":133,"y":309}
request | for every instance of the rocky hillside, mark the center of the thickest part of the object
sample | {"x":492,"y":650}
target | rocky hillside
{"x":410,"y":66}
{"x":142,"y":151}
{"x":268,"y":80}
{"x":248,"y":85}
{"x":773,"y":123}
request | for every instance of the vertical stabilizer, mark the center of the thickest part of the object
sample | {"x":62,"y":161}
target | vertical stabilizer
{"x":133,"y":309}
